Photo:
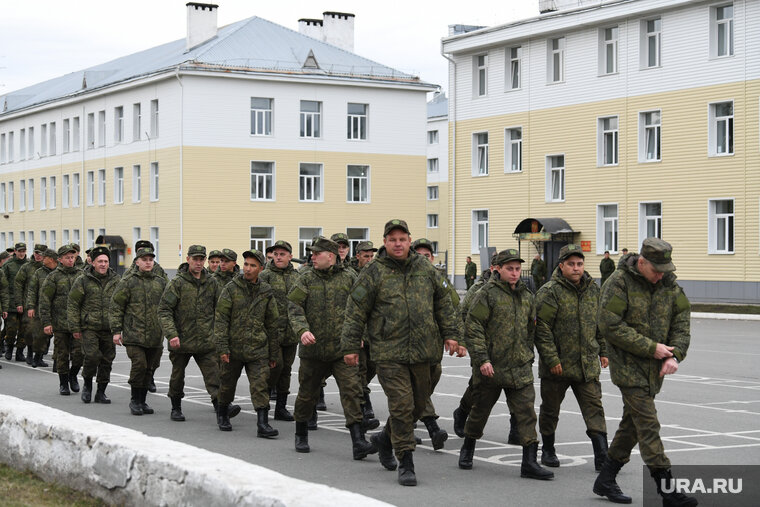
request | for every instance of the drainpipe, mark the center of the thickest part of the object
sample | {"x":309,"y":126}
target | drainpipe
{"x":453,"y":163}
{"x":181,"y":149}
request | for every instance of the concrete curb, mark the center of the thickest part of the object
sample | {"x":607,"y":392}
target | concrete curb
{"x":724,"y":316}
{"x":124,"y":466}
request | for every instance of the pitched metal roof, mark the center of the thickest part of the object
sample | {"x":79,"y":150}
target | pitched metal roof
{"x":438,"y":106}
{"x":252,"y":45}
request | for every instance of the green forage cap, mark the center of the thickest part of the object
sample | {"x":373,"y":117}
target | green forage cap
{"x":659,"y":253}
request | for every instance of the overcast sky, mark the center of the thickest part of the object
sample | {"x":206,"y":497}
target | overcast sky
{"x":43,"y":39}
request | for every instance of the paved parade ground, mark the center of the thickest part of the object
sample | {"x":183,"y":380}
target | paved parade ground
{"x":709,"y":411}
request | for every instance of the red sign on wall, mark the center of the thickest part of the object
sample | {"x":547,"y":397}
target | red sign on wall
{"x":586,"y":246}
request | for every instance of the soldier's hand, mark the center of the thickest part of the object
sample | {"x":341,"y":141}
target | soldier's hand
{"x":225,"y":358}
{"x":30,"y":313}
{"x":351,"y":359}
{"x":174,"y":342}
{"x":77,"y":336}
{"x":556,"y":370}
{"x":19,"y":309}
{"x":48,"y":330}
{"x":117,"y":339}
{"x":669,"y":366}
{"x":605,"y":362}
{"x":451,"y":346}
{"x":662,"y":351}
{"x":461,"y":351}
{"x":308,"y":339}
{"x":486,"y":369}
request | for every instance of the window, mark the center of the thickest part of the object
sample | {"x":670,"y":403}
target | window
{"x":608,"y":141}
{"x":154,"y":181}
{"x":118,"y":124}
{"x":722,"y":30}
{"x":75,"y":135}
{"x":262,"y":238}
{"x":650,"y":220}
{"x":432,"y":221}
{"x":66,"y":236}
{"x":11,"y":145}
{"x":721,"y":226}
{"x":90,"y":188}
{"x":3,"y":152}
{"x":31,"y":143}
{"x":154,"y":118}
{"x":11,"y":241}
{"x":22,"y":144}
{"x":53,"y":201}
{"x":90,"y":238}
{"x":432,"y":137}
{"x":432,"y":193}
{"x":43,"y":193}
{"x":75,"y":235}
{"x":310,"y":182}
{"x":651,"y":43}
{"x":154,"y":240}
{"x":355,"y":236}
{"x":262,"y":181}
{"x":75,"y":192}
{"x":479,"y":229}
{"x":480,"y":154}
{"x":722,"y":128}
{"x":435,"y":247}
{"x":2,"y":198}
{"x":3,"y":244}
{"x":515,"y":72}
{"x":305,"y":235}
{"x":649,"y":136}
{"x":43,"y":141}
{"x":65,"y":194}
{"x":53,"y":138}
{"x":513,"y":150}
{"x":358,"y":183}
{"x":90,"y":131}
{"x":30,"y":200}
{"x":66,"y":135}
{"x":101,"y":128}
{"x":22,"y":196}
{"x":136,"y":184}
{"x":556,"y":63}
{"x":30,"y":237}
{"x":311,"y":118}
{"x":10,"y":197}
{"x":136,"y":121}
{"x":606,"y":228}
{"x":118,"y":185}
{"x":136,"y":234}
{"x":261,"y":116}
{"x":53,"y":240}
{"x":22,"y":236}
{"x":101,"y":187}
{"x":608,"y":50}
{"x":432,"y":165}
{"x":357,"y":121}
{"x":555,"y":178}
{"x":480,"y":76}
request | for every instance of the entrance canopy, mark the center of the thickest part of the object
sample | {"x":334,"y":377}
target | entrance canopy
{"x":112,"y":241}
{"x":543,"y":228}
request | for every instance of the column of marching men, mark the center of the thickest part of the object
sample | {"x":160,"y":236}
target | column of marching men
{"x":386,"y":312}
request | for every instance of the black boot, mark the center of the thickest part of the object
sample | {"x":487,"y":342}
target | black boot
{"x":280,"y":410}
{"x":223,"y":417}
{"x":548,"y":454}
{"x":87,"y":390}
{"x":41,"y":361}
{"x":64,"y":387}
{"x":406,"y":475}
{"x":264,"y":430}
{"x":437,"y":435}
{"x":460,"y":419}
{"x":233,"y":410}
{"x":29,"y":356}
{"x":151,"y":384}
{"x":273,"y":394}
{"x":312,"y":422}
{"x":143,"y":395}
{"x":361,"y":447}
{"x":321,"y":405}
{"x":382,"y":441}
{"x":8,"y":352}
{"x":100,"y":394}
{"x":176,"y":414}
{"x":135,"y":404}
{"x":599,"y":443}
{"x":514,"y":437}
{"x":663,"y":477}
{"x":367,"y":410}
{"x":20,"y":357}
{"x":530,"y":467}
{"x":302,"y":437}
{"x":605,"y":484}
{"x":369,"y":423}
{"x":35,"y":360}
{"x":55,"y":366}
{"x":466,"y":453}
{"x":73,"y":382}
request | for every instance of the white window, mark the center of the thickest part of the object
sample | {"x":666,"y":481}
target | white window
{"x":90,"y":238}
{"x":262,"y":237}
{"x":650,"y":220}
{"x":651,"y":43}
{"x":480,"y":76}
{"x":75,"y":191}
{"x":118,"y":124}
{"x":606,"y":228}
{"x":432,"y":221}
{"x":136,"y":234}
{"x":311,"y":118}
{"x":52,"y":244}
{"x":310,"y":182}
{"x":3,"y":152}
{"x":649,"y":136}
{"x":43,"y":140}
{"x":261,"y":116}
{"x":357,"y":121}
{"x":355,"y":236}
{"x":30,"y":237}
{"x":479,"y":229}
{"x":2,"y":197}
{"x":10,"y":197}
{"x":75,"y":134}
{"x":432,"y":137}
{"x":118,"y":185}
{"x":53,"y":199}
{"x":136,"y":121}
{"x":608,"y":141}
{"x":53,"y":139}
{"x":357,"y":183}
{"x":75,"y":236}
{"x":101,"y":186}
{"x":513,"y":150}
{"x":11,"y":241}
{"x":30,"y":200}
{"x":608,"y":50}
{"x":66,"y":236}
{"x":31,"y":143}
{"x":136,"y":184}
{"x":22,"y":236}
{"x":262,"y":181}
{"x":480,"y":154}
{"x":514,"y":73}
{"x":154,"y":118}
{"x":3,"y":244}
{"x":22,"y":144}
{"x":90,"y":131}
{"x":65,"y":192}
{"x":432,"y":193}
{"x":432,"y":165}
{"x":721,"y":128}
{"x":90,"y":188}
{"x":154,"y":240}
{"x":555,"y":178}
{"x":721,"y":226}
{"x":722,"y":30}
{"x":66,"y":136}
{"x":305,"y":235}
{"x":11,"y":144}
{"x":22,"y":196}
{"x":43,"y":193}
{"x":154,"y":181}
{"x":101,"y":128}
{"x":556,"y":60}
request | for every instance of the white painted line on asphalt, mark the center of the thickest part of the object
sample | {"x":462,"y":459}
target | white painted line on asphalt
{"x":724,"y":316}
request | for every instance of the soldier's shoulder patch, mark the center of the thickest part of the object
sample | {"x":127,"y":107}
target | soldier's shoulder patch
{"x":297,"y":295}
{"x":479,"y":310}
{"x":359,"y":293}
{"x":546,"y":312}
{"x":616,"y":305}
{"x":682,"y":302}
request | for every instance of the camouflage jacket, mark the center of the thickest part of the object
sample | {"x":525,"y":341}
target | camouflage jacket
{"x":538,"y":268}
{"x":317,"y":303}
{"x":90,"y":299}
{"x":11,"y":269}
{"x":187,"y":310}
{"x":499,"y":329}
{"x":54,"y":298}
{"x":471,"y":270}
{"x":406,"y":308}
{"x":21,"y":283}
{"x":246,"y":320}
{"x":281,"y":281}
{"x":33,"y":290}
{"x":157,"y":270}
{"x":4,"y":296}
{"x":634,"y":316}
{"x":566,"y":331}
{"x":469,"y":296}
{"x":222,"y":278}
{"x":133,"y":311}
{"x":606,"y":268}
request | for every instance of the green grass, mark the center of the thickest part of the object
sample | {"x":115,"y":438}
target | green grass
{"x":725,"y":308}
{"x":24,"y":489}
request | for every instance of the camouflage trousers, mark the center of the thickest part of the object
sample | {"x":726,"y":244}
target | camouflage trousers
{"x":36,"y":337}
{"x":588,"y":394}
{"x":258,"y":377}
{"x":14,"y":326}
{"x":143,"y":359}
{"x":520,"y":402}
{"x":310,"y":375}
{"x":156,"y":361}
{"x":367,"y":368}
{"x":207,"y":363}
{"x":639,"y":425}
{"x":407,"y":387}
{"x":466,"y":402}
{"x":435,"y":375}
{"x":99,"y":352}
{"x":68,"y":352}
{"x":279,"y":376}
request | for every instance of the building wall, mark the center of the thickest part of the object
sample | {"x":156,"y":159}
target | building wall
{"x":440,"y":179}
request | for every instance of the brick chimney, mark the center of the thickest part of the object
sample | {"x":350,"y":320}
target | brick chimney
{"x":336,"y":28}
{"x":201,"y":23}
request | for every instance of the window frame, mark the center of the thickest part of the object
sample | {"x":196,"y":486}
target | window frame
{"x":508,"y":145}
{"x":604,"y":44}
{"x":269,"y":185}
{"x":266,"y":116}
{"x":432,"y":137}
{"x":513,"y":62}
{"x":302,"y":243}
{"x":601,"y":222}
{"x":433,"y":166}
{"x":76,"y":190}
{"x":715,"y":31}
{"x":136,"y":121}
{"x":603,"y":134}
{"x":432,"y":220}
{"x":549,"y":177}
{"x":90,"y":188}
{"x":644,"y":136}
{"x":713,"y":228}
{"x":310,"y":122}
{"x":101,"y":187}
{"x":714,"y":121}
{"x":302,"y":190}
{"x":154,"y":182}
{"x":645,"y":43}
{"x":136,"y":183}
{"x":480,"y":155}
{"x":361,"y":120}
{"x":118,"y":185}
{"x":66,"y":191}
{"x":644,"y":219}
{"x":432,"y":193}
{"x":267,"y":241}
{"x":480,"y":75}
{"x":367,"y":181}
{"x":475,"y":229}
{"x":552,"y":54}
{"x":118,"y":124}
{"x":52,"y":201}
{"x":154,"y":118}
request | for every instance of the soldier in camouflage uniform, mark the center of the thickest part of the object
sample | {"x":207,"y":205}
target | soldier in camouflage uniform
{"x":53,"y":301}
{"x":645,"y":317}
{"x":4,"y":304}
{"x":20,"y":285}
{"x":40,"y":341}
{"x":365,"y":252}
{"x":405,"y":306}
{"x":14,"y":322}
{"x":214,"y":260}
{"x":606,"y":267}
{"x":538,"y":271}
{"x":135,"y":325}
{"x":88,"y":306}
{"x":344,"y":247}
{"x":245,"y":331}
{"x":499,"y":335}
{"x":570,"y":351}
{"x":470,"y":272}
{"x":228,"y":268}
{"x":317,"y":303}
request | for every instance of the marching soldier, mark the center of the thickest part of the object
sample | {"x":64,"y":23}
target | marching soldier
{"x":214,"y":260}
{"x":40,"y":341}
{"x":14,"y":322}
{"x":228,"y":267}
{"x":606,"y":267}
{"x":538,"y":271}
{"x":20,"y":285}
{"x":365,"y":252}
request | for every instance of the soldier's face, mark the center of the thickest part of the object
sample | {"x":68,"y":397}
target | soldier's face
{"x":49,"y":262}
{"x":228,"y":265}
{"x":606,"y":255}
{"x":37,"y":257}
{"x":343,"y":250}
{"x":213,"y":263}
{"x":68,"y":259}
{"x":647,"y":271}
{"x":281,"y":257}
{"x":145,"y":263}
{"x":195,"y":264}
{"x":426,"y":253}
{"x":20,"y":254}
{"x":572,"y":268}
{"x":510,"y":272}
{"x":100,"y":264}
{"x":251,"y":269}
{"x":270,"y":256}
{"x":364,"y":257}
{"x":323,"y":259}
{"x":397,"y":244}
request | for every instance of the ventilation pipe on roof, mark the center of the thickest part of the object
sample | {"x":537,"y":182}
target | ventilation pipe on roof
{"x":201,"y":23}
{"x":336,"y":28}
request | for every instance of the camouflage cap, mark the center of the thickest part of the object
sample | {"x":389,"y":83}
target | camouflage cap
{"x":322,"y":244}
{"x":145,"y":250}
{"x":569,"y":250}
{"x":508,"y":255}
{"x":366,"y":246}
{"x":340,"y":238}
{"x":39,"y":248}
{"x":10,"y":250}
{"x":66,"y":249}
{"x":395,"y":224}
{"x":49,"y":252}
{"x":423,"y":243}
{"x":214,"y":253}
{"x":76,"y":247}
{"x":256,"y":255}
{"x":228,"y":254}
{"x":493,"y":258}
{"x":20,"y":246}
{"x":4,"y":255}
{"x":143,"y":243}
{"x":98,"y":251}
{"x":280,"y":244}
{"x":196,"y":251}
{"x":659,"y":253}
